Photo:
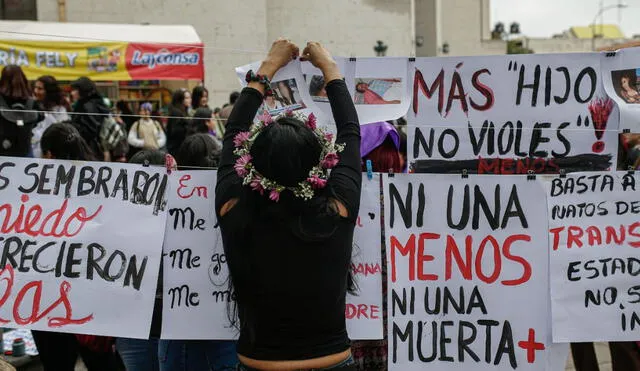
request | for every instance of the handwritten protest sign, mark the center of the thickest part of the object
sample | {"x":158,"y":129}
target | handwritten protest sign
{"x":364,"y":310}
{"x":196,"y":291}
{"x":510,"y":115}
{"x":594,"y":239}
{"x":467,"y":273}
{"x":81,"y":245}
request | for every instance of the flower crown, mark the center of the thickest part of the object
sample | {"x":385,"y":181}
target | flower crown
{"x":318,"y":175}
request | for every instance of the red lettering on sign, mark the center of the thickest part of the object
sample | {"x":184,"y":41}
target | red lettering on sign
{"x":362,"y":311}
{"x":28,"y":220}
{"x":183,"y":189}
{"x":34,"y":306}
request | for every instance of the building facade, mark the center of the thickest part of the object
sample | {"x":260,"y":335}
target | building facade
{"x":236,"y":33}
{"x":240,"y":32}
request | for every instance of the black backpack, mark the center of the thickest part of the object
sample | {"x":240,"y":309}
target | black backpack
{"x":16,"y":122}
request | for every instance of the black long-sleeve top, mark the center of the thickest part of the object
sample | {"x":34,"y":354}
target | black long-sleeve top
{"x":291,"y":292}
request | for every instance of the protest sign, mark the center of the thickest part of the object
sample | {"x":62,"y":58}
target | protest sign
{"x":510,"y":115}
{"x":196,"y":290}
{"x":467,"y":273}
{"x":81,"y":245}
{"x":594,"y":236}
{"x":364,"y":309}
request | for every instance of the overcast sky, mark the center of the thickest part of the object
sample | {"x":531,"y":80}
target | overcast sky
{"x":543,"y":18}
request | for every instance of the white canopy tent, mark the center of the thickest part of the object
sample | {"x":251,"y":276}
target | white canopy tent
{"x":59,"y":32}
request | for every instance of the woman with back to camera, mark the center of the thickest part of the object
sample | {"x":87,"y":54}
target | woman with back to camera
{"x":51,"y":98}
{"x":178,"y":121}
{"x":18,"y":114}
{"x":288,"y":232}
{"x":89,"y":112}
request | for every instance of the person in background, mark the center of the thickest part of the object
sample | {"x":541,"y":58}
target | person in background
{"x":59,"y":351}
{"x":199,"y":150}
{"x":89,"y":112}
{"x":124,"y":114}
{"x":226,"y":110}
{"x":18,"y":113}
{"x":204,"y":122}
{"x":199,"y":98}
{"x":380,"y":143}
{"x":178,"y":121}
{"x":49,"y":94}
{"x":146,"y":133}
{"x":220,"y":123}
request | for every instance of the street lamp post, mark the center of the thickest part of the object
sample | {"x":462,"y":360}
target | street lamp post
{"x":380,"y":48}
{"x":593,"y":24}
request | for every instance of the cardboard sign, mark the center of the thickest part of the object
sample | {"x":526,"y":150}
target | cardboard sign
{"x":81,"y":245}
{"x":594,"y":236}
{"x":467,"y":273}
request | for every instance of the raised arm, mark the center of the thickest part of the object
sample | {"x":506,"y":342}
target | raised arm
{"x":244,"y":110}
{"x":346,"y":179}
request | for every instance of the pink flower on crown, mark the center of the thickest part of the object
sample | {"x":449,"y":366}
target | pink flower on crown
{"x":330,"y":160}
{"x":274,"y":195}
{"x":266,"y":118}
{"x":311,"y":122}
{"x":288,"y":112}
{"x":317,"y":182}
{"x":256,"y":185}
{"x":240,"y":138}
{"x":241,"y":165}
{"x":328,"y":137}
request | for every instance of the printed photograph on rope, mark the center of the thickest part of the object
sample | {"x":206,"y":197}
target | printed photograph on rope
{"x":625,"y":84}
{"x":378,"y":91}
{"x":286,"y":96}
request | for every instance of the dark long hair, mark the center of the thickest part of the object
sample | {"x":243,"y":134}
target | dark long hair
{"x":199,"y":121}
{"x":53,"y":95}
{"x":196,"y":96}
{"x":148,"y":157}
{"x":285,"y":152}
{"x":13,"y":83}
{"x":86,"y":88}
{"x":199,"y":151}
{"x":177,"y":101}
{"x":64,"y":142}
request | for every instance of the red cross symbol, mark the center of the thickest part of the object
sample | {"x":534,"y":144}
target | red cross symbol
{"x":531,"y":346}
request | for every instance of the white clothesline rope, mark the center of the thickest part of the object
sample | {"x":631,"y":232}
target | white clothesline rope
{"x":496,"y":128}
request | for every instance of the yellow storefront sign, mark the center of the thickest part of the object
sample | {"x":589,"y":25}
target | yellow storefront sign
{"x":100,"y":61}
